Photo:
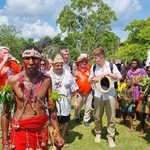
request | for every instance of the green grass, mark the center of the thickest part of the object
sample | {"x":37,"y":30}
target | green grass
{"x":82,"y":138}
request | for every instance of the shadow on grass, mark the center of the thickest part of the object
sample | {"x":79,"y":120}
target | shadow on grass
{"x":72,"y":136}
{"x":146,"y":135}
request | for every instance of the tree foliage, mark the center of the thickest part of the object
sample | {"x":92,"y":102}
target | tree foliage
{"x":87,"y":24}
{"x":138,"y":41}
{"x":11,"y":37}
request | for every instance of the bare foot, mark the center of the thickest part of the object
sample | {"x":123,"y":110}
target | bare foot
{"x":140,"y":134}
{"x":65,"y":145}
{"x":131,"y":130}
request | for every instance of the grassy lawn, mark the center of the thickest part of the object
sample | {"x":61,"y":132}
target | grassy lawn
{"x":82,"y":138}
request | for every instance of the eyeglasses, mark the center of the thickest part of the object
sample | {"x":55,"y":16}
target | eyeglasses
{"x":42,"y":64}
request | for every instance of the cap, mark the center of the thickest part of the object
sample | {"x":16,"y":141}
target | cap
{"x":117,"y":61}
{"x":58,"y":59}
{"x":3,"y":47}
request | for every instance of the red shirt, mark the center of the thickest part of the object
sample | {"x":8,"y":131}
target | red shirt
{"x":7,"y":71}
{"x":82,"y":80}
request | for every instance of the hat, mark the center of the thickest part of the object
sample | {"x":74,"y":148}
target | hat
{"x":3,"y":47}
{"x":58,"y":59}
{"x":31,"y":53}
{"x":84,"y":54}
{"x":117,"y":61}
{"x":81,"y":57}
{"x":105,"y":84}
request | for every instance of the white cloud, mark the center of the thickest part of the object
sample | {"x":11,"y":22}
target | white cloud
{"x":39,"y":30}
{"x":35,"y":19}
{"x":125,"y":9}
{"x":3,"y":19}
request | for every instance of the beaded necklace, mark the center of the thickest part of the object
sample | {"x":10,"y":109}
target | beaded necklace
{"x":30,"y":90}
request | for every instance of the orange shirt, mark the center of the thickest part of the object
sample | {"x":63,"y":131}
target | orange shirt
{"x":82,"y":80}
{"x":7,"y":71}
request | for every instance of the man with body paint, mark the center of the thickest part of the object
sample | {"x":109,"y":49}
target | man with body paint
{"x":32,"y":89}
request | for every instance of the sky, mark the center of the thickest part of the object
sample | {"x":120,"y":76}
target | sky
{"x":37,"y":18}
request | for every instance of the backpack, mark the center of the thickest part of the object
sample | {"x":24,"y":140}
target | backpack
{"x":111,"y":68}
{"x":115,"y":83}
{"x":110,"y":65}
{"x":70,"y":65}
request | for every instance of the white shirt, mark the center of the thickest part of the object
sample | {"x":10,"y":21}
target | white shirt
{"x":65,"y":84}
{"x":99,"y":71}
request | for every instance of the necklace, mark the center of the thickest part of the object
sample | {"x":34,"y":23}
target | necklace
{"x":57,"y":78}
{"x":30,"y":89}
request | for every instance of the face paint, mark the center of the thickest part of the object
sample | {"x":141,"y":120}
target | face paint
{"x":31,"y":62}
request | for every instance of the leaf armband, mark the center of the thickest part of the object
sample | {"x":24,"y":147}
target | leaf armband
{"x":52,"y":100}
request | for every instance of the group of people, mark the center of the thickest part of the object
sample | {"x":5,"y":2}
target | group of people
{"x":133,"y":95}
{"x":36,"y":118}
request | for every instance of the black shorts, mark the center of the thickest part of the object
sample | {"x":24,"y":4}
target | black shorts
{"x":63,"y":119}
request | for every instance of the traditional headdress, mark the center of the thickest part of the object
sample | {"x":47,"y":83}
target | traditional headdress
{"x":58,"y":59}
{"x":31,"y":53}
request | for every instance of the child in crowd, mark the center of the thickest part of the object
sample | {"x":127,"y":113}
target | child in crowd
{"x":128,"y":105}
{"x":144,"y":108}
{"x":121,"y":84}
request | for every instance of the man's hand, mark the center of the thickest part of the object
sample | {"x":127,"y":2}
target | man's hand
{"x":59,"y":142}
{"x":93,"y":80}
{"x":76,"y":104}
{"x":6,"y":147}
{"x":7,"y":57}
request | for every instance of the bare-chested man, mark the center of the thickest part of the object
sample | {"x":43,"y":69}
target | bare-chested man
{"x":31,"y":89}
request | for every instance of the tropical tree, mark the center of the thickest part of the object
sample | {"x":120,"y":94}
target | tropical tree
{"x":87,"y":25}
{"x":11,"y":37}
{"x":138,"y":41}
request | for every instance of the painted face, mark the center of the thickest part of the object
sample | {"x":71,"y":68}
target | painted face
{"x":58,"y":67}
{"x":31,"y":64}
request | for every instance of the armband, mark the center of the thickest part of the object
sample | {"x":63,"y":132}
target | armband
{"x":5,"y":142}
{"x":56,"y":132}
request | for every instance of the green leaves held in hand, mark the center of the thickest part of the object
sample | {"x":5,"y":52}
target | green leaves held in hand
{"x":6,"y":96}
{"x":55,"y":96}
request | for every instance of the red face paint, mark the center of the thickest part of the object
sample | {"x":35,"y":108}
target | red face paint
{"x":31,"y":62}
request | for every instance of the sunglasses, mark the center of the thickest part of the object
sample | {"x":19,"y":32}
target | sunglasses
{"x":42,"y":64}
